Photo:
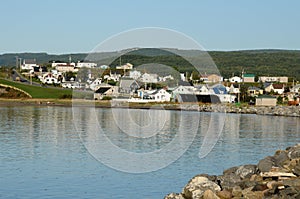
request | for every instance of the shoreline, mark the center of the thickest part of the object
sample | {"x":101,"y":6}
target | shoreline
{"x":279,"y":110}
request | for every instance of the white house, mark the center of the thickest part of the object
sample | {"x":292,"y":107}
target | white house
{"x":112,"y":76}
{"x":135,"y":74}
{"x":235,"y":79}
{"x":86,"y":65}
{"x":296,"y":89}
{"x":49,"y":78}
{"x":29,"y":64}
{"x":202,"y":90}
{"x":149,"y":78}
{"x":184,"y":90}
{"x":182,"y":77}
{"x":54,"y":64}
{"x":127,"y":66}
{"x":276,"y":88}
{"x":165,"y":78}
{"x":95,"y":83}
{"x":161,"y":95}
{"x":221,"y":91}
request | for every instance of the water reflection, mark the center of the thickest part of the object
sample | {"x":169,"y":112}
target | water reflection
{"x":41,"y":150}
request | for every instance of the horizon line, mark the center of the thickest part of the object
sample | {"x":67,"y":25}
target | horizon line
{"x":212,"y":50}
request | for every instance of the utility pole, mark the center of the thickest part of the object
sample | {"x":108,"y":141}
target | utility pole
{"x":17,"y":62}
{"x":239,"y":94}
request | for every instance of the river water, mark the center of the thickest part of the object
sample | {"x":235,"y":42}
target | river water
{"x":60,"y":152}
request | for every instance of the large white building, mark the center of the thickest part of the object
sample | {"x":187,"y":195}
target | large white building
{"x":273,"y":79}
{"x":55,"y":64}
{"x":86,"y":65}
{"x":29,"y":64}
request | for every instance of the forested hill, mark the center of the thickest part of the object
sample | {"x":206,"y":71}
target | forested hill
{"x":259,"y":62}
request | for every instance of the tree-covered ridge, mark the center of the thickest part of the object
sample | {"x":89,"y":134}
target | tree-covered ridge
{"x":259,"y":62}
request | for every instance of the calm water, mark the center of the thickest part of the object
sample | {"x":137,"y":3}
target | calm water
{"x":44,"y":155}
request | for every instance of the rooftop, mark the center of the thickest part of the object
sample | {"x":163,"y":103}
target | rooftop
{"x":249,"y":75}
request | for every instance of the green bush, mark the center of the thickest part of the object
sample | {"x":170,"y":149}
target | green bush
{"x":65,"y":96}
{"x":106,"y":98}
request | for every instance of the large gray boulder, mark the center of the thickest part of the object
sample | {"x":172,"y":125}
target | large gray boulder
{"x":266,"y":164}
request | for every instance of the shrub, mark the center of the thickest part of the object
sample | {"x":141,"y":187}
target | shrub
{"x":106,"y":98}
{"x":65,"y":96}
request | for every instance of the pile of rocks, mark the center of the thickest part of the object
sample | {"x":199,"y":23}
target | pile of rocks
{"x":276,"y":176}
{"x":292,"y":111}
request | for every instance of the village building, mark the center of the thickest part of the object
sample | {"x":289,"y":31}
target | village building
{"x":254,"y":91}
{"x":212,"y":78}
{"x":273,"y":79}
{"x":295,"y":89}
{"x":234,"y":89}
{"x":221,"y":91}
{"x":149,"y":78}
{"x":276,"y":88}
{"x":29,"y":64}
{"x":66,"y":68}
{"x":135,"y":74}
{"x":160,"y":95}
{"x":103,"y":90}
{"x":93,"y":86}
{"x":235,"y":79}
{"x":265,"y":100}
{"x":54,"y":64}
{"x":202,"y":90}
{"x":86,"y":65}
{"x":128,"y":86}
{"x":248,"y":78}
{"x":126,"y":66}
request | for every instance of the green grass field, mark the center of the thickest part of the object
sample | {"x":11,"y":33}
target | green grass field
{"x":39,"y":92}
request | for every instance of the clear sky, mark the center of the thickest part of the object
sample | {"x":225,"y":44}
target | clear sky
{"x":71,"y":26}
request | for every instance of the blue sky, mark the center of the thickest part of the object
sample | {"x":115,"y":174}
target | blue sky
{"x":61,"y":26}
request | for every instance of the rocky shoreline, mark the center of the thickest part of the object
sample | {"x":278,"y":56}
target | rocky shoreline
{"x":290,"y":111}
{"x":276,"y":176}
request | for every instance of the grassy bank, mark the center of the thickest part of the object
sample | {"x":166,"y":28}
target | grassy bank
{"x":39,"y":92}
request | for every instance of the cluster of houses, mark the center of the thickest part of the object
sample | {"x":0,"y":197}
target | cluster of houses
{"x":136,"y":86}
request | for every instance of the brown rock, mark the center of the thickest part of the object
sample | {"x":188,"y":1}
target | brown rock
{"x":249,"y":194}
{"x":209,"y":194}
{"x":237,"y":191}
{"x":224,"y":194}
{"x":260,"y":187}
{"x":274,"y":184}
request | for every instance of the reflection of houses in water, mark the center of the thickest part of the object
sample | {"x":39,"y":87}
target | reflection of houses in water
{"x":272,"y":126}
{"x":232,"y":125}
